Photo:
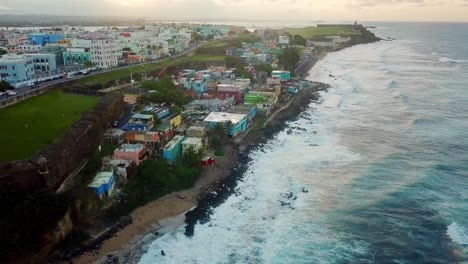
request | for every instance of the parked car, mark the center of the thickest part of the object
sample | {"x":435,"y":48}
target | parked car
{"x":11,"y":93}
{"x":115,"y":124}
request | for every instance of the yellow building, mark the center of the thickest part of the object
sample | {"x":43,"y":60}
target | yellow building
{"x":64,"y":42}
{"x":175,"y":120}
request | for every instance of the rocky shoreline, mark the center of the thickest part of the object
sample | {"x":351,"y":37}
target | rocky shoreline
{"x":214,"y":193}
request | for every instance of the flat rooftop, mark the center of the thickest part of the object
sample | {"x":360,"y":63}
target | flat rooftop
{"x":192,"y":141}
{"x":142,"y":116}
{"x":101,"y":178}
{"x":130,"y":147}
{"x":219,"y":117}
{"x":173,"y":142}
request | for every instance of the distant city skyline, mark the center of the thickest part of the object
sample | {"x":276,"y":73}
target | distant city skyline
{"x":342,"y":10}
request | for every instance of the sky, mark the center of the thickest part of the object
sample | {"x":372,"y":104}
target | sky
{"x":285,"y":10}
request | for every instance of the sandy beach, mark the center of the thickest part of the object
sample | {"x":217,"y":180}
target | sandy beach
{"x":150,"y":218}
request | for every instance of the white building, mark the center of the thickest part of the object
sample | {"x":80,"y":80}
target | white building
{"x":283,"y":40}
{"x":104,"y":51}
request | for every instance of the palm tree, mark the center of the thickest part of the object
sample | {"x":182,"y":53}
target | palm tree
{"x":229,"y":127}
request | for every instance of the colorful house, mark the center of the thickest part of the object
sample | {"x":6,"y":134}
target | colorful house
{"x":172,"y":151}
{"x":141,"y":119}
{"x":132,"y":152}
{"x":142,"y":136}
{"x":165,"y":132}
{"x":43,"y":38}
{"x":103,"y":184}
{"x":174,"y":120}
{"x":238,"y":122}
{"x":284,"y":75}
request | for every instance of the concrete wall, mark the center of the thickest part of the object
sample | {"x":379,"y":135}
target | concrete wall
{"x":66,"y":153}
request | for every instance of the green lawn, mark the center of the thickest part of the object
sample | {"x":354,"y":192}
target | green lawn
{"x":117,"y":74}
{"x":215,"y":44}
{"x":314,"y":32}
{"x":34,"y":123}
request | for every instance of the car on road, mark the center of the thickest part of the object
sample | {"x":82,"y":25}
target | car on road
{"x":12,"y":93}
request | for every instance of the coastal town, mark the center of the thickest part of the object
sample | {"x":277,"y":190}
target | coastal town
{"x":168,"y":106}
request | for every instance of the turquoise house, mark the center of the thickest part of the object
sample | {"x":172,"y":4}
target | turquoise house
{"x":238,"y":122}
{"x":172,"y":151}
{"x":284,"y":75}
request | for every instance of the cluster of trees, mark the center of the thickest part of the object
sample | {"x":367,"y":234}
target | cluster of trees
{"x":4,"y":85}
{"x":166,"y":91}
{"x":3,"y":52}
{"x":157,"y":178}
{"x":289,"y":58}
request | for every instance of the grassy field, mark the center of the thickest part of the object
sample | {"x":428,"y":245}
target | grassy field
{"x":34,"y":123}
{"x":215,"y":44}
{"x":317,"y":32}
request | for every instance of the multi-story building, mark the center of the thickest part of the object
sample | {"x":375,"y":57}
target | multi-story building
{"x":28,"y":48}
{"x":43,"y":38}
{"x":76,"y":55}
{"x":44,"y":63}
{"x":56,"y":50}
{"x":104,"y":52}
{"x":16,"y":69}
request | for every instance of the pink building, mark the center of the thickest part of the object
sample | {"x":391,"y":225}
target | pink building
{"x":131,"y":152}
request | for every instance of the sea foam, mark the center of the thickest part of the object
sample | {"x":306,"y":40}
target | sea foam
{"x":457,"y":234}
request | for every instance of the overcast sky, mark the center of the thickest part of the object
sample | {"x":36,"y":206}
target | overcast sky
{"x":349,"y":10}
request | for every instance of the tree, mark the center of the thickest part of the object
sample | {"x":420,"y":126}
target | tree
{"x":289,"y":58}
{"x":3,"y":52}
{"x":192,"y":158}
{"x":234,"y":62}
{"x":299,"y":40}
{"x":264,"y":67}
{"x":4,"y":85}
{"x":229,"y":126}
{"x":88,"y":64}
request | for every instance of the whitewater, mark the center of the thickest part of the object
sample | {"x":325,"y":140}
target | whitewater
{"x":376,"y":171}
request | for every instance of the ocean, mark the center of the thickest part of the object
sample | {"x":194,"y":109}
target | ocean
{"x":376,"y":171}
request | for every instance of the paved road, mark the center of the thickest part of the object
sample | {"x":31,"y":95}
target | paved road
{"x":43,"y":85}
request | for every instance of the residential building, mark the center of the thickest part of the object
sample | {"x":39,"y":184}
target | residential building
{"x":131,"y":152}
{"x":283,"y":40}
{"x":28,"y":48}
{"x":76,"y":56}
{"x":196,"y":132}
{"x":284,"y":75}
{"x":192,"y":142}
{"x":45,"y":63}
{"x":16,"y":69}
{"x":165,"y":132}
{"x":174,"y":120}
{"x":115,"y":136}
{"x":103,"y":184}
{"x":172,"y":151}
{"x":150,"y":137}
{"x":44,"y":38}
{"x":238,"y":122}
{"x":142,"y":119}
{"x":56,"y":50}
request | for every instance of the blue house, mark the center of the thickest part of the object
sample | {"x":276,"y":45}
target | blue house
{"x":135,"y":127}
{"x":103,"y":184}
{"x":198,"y":86}
{"x":172,"y":151}
{"x":43,"y":38}
{"x":238,"y":122}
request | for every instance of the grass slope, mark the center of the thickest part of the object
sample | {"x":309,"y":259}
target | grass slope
{"x":321,"y":31}
{"x":32,"y":124}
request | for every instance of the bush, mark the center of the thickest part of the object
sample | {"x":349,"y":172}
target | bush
{"x":219,"y":153}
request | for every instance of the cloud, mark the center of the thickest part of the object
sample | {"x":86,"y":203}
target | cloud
{"x":373,"y":3}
